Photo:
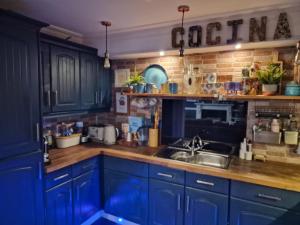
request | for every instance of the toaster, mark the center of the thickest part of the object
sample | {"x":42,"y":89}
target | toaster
{"x":96,"y":133}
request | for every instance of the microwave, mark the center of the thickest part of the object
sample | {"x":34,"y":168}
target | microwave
{"x":214,"y":111}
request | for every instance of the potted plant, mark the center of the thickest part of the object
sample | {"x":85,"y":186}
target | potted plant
{"x":270,"y":78}
{"x":136,"y":83}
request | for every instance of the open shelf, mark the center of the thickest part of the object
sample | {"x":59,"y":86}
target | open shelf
{"x":224,"y":97}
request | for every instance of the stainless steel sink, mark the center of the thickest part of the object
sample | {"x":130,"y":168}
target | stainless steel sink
{"x":200,"y":158}
{"x":211,"y":159}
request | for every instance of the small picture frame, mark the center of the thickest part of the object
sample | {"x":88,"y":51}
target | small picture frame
{"x":122,"y":104}
{"x":121,"y":76}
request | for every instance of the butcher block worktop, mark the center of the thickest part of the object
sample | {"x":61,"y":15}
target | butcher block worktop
{"x":272,"y":174}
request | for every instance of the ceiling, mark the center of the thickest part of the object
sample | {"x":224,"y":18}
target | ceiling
{"x":83,"y":16}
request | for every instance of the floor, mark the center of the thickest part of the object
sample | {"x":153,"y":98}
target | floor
{"x":103,"y":221}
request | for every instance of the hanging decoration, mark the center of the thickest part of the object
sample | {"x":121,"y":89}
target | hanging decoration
{"x":106,"y":54}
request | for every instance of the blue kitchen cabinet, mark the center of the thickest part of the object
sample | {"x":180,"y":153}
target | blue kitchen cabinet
{"x":21,"y":191}
{"x":245,"y":212}
{"x":166,"y":203}
{"x":19,"y":87}
{"x":86,"y":195}
{"x":65,"y":79}
{"x":126,"y":196}
{"x":204,"y":207}
{"x":106,"y":86}
{"x":59,"y":205}
{"x":90,"y":76}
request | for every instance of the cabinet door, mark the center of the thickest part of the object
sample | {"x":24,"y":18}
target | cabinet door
{"x":45,"y":75}
{"x":65,"y":79}
{"x":126,"y":196}
{"x":166,"y":203}
{"x":203,"y":207}
{"x":249,"y":213}
{"x":21,"y":190}
{"x":19,"y":91}
{"x":59,"y":204}
{"x":106,"y":80}
{"x":86,"y":196}
{"x":89,"y":75}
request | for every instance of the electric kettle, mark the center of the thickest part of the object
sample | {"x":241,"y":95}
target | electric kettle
{"x":110,"y":134}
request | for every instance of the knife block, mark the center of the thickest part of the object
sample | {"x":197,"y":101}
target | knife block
{"x":153,"y":138}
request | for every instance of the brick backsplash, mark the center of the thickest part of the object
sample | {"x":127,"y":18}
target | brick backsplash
{"x":227,"y":65}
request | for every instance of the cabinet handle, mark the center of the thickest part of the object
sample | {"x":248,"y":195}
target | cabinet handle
{"x":178,"y":202}
{"x":187,"y":204}
{"x":205,"y":183}
{"x":49,"y":99}
{"x":268,"y":197}
{"x":86,"y":166}
{"x":37,"y":127}
{"x":40,"y":171}
{"x":61,"y":177}
{"x":165,"y":175}
{"x":96,"y":97}
{"x":55,"y":97}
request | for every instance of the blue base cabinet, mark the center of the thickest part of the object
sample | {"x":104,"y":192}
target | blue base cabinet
{"x":73,"y":193}
{"x":126,"y":196}
{"x":86,"y":192}
{"x":21,"y":191}
{"x":59,"y":205}
{"x":166,"y":201}
{"x":245,"y":212}
{"x":204,"y":207}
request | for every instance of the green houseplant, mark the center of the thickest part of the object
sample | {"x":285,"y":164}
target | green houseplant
{"x":136,"y":82}
{"x":270,"y":78}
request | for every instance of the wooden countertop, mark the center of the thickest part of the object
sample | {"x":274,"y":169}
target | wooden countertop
{"x":272,"y":174}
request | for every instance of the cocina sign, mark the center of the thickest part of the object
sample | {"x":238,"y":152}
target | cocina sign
{"x":257,"y":32}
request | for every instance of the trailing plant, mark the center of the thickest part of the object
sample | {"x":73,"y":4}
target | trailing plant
{"x":272,"y":75}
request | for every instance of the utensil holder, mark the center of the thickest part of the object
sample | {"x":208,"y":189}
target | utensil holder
{"x":153,"y":138}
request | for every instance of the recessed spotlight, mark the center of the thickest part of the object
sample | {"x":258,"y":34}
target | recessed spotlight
{"x":238,"y":46}
{"x":161,"y":53}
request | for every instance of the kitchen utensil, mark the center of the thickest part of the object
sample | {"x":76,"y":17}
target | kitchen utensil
{"x":110,"y":134}
{"x":67,"y":141}
{"x":155,"y":74}
{"x":96,"y":133}
{"x":173,"y":88}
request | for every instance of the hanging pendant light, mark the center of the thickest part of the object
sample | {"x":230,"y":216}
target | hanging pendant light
{"x":182,"y":9}
{"x":106,"y":55}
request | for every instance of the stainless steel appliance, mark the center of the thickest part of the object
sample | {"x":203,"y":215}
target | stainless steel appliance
{"x":201,"y":152}
{"x":96,"y":133}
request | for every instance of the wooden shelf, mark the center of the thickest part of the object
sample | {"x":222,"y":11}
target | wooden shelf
{"x":224,"y":97}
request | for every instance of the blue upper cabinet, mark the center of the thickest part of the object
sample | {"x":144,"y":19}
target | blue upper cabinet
{"x":45,"y":75}
{"x":166,"y":203}
{"x":59,"y":205}
{"x":89,"y":75}
{"x":126,"y":196}
{"x":106,"y":81}
{"x":86,"y":192}
{"x":65,"y":79}
{"x":21,"y":190}
{"x":204,"y":207}
{"x":19,"y":88}
{"x":251,"y":213}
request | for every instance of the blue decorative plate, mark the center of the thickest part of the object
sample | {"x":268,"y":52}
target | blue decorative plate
{"x":155,"y":74}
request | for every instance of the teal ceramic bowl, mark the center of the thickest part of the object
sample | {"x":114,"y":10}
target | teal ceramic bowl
{"x":292,"y":89}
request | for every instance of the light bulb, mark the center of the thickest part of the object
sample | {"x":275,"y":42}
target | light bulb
{"x":238,"y":46}
{"x":106,"y":61}
{"x":161,"y":53}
